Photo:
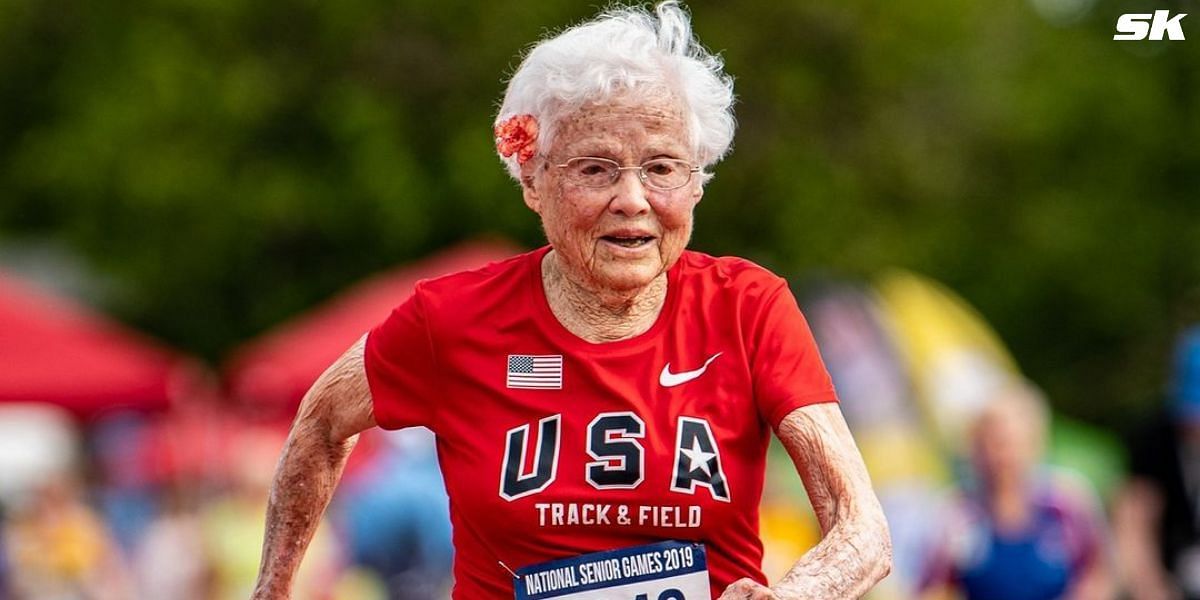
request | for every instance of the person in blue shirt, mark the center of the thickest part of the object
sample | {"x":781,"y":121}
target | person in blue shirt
{"x":1018,"y":529}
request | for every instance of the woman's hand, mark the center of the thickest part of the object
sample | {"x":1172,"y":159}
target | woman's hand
{"x":748,"y":589}
{"x":855,"y":551}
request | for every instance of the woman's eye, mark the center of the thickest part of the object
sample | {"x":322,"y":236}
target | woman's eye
{"x":660,"y":168}
{"x":592,"y":169}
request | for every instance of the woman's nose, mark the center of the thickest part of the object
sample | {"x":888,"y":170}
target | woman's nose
{"x":629,"y":194}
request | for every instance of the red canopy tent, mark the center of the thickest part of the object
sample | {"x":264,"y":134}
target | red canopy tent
{"x":273,"y":372}
{"x":53,"y":351}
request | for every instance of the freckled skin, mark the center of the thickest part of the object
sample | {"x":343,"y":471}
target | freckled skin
{"x":855,"y":551}
{"x":602,"y":296}
{"x":326,"y":429}
{"x":599,"y":292}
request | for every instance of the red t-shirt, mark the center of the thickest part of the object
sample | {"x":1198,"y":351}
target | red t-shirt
{"x":552,"y":446}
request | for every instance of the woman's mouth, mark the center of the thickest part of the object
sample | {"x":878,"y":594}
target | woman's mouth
{"x":628,"y":241}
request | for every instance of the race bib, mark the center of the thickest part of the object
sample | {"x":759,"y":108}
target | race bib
{"x":663,"y":571}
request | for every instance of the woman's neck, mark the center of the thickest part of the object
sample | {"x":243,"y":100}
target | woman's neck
{"x":1010,"y":505}
{"x":601,"y":315}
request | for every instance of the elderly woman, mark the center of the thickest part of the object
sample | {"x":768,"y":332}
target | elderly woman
{"x":602,"y":405}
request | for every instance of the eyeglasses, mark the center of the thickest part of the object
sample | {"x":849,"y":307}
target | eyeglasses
{"x":660,"y":173}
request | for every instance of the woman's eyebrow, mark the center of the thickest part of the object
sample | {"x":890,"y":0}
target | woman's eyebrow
{"x":601,"y":150}
{"x":663,"y":151}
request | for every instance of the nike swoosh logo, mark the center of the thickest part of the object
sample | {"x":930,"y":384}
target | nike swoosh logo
{"x":669,"y":379}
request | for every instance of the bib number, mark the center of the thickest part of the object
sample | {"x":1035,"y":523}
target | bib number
{"x":662,"y":571}
{"x":668,"y":594}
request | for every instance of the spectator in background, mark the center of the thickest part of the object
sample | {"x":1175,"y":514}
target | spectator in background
{"x":395,"y":518}
{"x":61,"y":549}
{"x":1018,"y":530}
{"x":170,"y":560}
{"x":1157,"y":512}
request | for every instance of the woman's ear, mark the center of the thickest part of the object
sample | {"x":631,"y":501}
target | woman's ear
{"x":529,"y":189}
{"x":530,"y":194}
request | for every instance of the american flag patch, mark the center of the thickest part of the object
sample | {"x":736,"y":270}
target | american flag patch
{"x":527,"y":372}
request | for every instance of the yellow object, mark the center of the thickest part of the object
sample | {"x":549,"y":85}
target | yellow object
{"x":954,"y":357}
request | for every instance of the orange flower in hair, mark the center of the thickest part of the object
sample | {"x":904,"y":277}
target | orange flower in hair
{"x":517,"y":135}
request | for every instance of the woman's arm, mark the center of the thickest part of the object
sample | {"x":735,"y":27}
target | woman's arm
{"x":326,"y":428}
{"x":855,"y":551}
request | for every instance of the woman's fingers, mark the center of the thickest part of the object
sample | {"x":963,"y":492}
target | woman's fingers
{"x":747,"y":589}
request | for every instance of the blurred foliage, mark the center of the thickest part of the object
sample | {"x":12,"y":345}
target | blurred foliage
{"x":232,"y":162}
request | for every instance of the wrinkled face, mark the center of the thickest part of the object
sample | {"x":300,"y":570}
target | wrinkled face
{"x":620,"y":237}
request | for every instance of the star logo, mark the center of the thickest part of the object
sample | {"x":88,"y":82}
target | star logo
{"x":697,"y":456}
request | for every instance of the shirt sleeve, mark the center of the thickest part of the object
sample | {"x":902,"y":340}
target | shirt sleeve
{"x":948,"y":525}
{"x":787,"y":368}
{"x":936,"y":573}
{"x":401,"y":368}
{"x":1083,"y":514}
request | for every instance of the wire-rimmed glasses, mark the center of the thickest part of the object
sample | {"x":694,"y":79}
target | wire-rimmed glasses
{"x":660,"y":173}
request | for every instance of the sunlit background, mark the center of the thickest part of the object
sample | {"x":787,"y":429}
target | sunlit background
{"x":203,"y":202}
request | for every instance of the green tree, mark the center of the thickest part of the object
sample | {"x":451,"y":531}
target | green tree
{"x":229,"y":163}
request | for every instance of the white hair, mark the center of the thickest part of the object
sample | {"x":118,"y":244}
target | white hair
{"x":625,"y":50}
